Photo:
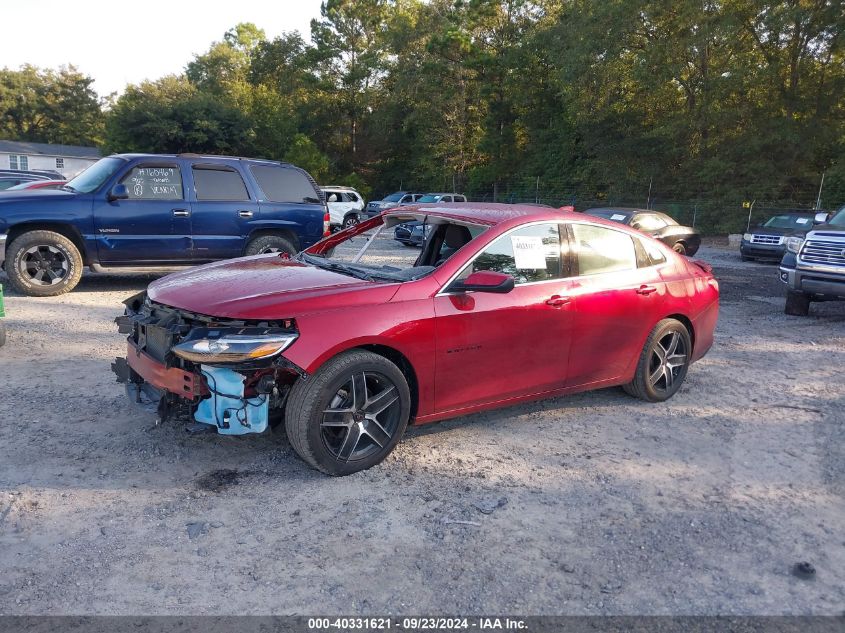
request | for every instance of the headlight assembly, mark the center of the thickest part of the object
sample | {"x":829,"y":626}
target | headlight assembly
{"x":746,"y":237}
{"x":234,"y":348}
{"x":793,"y":244}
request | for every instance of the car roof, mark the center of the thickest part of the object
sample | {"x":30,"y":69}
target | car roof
{"x":489,"y":213}
{"x":443,"y":193}
{"x":341,"y":187}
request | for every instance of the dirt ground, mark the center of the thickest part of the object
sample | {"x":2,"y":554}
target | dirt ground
{"x":591,"y":504}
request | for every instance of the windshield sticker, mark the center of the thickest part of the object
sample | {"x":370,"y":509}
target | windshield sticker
{"x":619,"y":217}
{"x":802,"y":220}
{"x":528,"y":252}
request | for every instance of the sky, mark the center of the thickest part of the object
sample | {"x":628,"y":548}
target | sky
{"x":119,"y":42}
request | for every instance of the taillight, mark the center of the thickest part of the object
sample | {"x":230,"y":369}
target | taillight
{"x":327,"y":224}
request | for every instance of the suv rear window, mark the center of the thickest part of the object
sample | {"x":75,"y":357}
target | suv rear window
{"x":284,"y":184}
{"x":219,"y":183}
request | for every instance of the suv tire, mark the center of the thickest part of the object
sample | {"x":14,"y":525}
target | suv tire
{"x":270,"y":244}
{"x":350,"y":414}
{"x":663,"y":363}
{"x":351,"y":219}
{"x":43,"y":264}
{"x":797,"y":303}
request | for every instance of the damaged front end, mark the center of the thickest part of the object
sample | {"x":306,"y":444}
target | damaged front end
{"x":220,"y":373}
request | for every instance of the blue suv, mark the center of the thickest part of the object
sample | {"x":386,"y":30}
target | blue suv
{"x":141,"y":212}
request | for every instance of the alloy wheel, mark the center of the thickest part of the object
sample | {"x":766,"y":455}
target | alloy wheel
{"x":362,"y":417}
{"x":352,"y":220}
{"x":668,"y":358}
{"x":44,"y":265}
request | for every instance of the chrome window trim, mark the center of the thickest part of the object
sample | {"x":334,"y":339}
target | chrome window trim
{"x":444,"y":293}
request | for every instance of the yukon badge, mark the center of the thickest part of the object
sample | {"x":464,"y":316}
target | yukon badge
{"x":109,"y":230}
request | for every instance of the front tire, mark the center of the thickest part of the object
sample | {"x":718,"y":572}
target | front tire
{"x":350,"y":414}
{"x":680,"y":248}
{"x":43,"y":264}
{"x":663,"y":363}
{"x":270,"y":244}
{"x":797,"y":304}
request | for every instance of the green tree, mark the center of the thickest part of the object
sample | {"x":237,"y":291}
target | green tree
{"x":49,"y":106}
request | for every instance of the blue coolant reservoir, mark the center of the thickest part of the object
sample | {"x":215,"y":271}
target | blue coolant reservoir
{"x":226,"y":408}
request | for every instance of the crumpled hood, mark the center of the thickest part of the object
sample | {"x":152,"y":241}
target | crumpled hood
{"x":264,"y":287}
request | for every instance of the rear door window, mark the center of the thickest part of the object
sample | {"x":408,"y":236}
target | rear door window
{"x":219,"y":183}
{"x":285,"y":184}
{"x":602,"y":250}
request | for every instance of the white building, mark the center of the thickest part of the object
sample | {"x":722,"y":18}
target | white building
{"x":68,"y":160}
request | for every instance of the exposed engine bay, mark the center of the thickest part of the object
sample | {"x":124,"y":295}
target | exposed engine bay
{"x":227,"y":374}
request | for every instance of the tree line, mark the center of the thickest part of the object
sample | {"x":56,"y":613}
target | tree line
{"x":689,"y":102}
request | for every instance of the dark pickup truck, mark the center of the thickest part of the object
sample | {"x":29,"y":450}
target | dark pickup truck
{"x":143,"y":212}
{"x":813,"y":267}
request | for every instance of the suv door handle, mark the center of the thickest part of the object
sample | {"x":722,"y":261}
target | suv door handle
{"x":245,"y":214}
{"x":556,"y":301}
{"x":646,"y":290}
{"x":181,"y":213}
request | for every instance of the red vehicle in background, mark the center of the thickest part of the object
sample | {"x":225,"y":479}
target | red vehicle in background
{"x":505,"y":303}
{"x":38,"y":184}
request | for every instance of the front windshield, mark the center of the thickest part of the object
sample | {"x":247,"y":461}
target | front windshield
{"x":93,"y":178}
{"x":394,"y":197}
{"x":388,"y":253}
{"x":789,"y":221}
{"x":429,"y":199}
{"x":838,"y":219}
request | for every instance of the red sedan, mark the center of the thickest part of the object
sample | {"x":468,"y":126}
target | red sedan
{"x":505,"y":303}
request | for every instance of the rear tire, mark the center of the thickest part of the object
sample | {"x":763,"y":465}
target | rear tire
{"x":43,"y":264}
{"x":663,"y":363}
{"x":797,"y":303}
{"x":680,"y":248}
{"x":270,"y":244}
{"x":350,"y":220}
{"x":350,"y":414}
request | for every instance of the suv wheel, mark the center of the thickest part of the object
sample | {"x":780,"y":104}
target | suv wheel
{"x":680,"y":248}
{"x":663,"y":362}
{"x":797,"y":303}
{"x":270,"y":244}
{"x":350,"y":220}
{"x":350,"y":414}
{"x":43,"y":264}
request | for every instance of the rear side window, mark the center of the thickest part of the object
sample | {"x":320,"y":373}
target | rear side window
{"x":154,"y":182}
{"x":215,"y":183}
{"x":285,"y":184}
{"x":529,"y":254}
{"x":651,"y":254}
{"x":602,"y":250}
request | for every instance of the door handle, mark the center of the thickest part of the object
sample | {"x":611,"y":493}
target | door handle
{"x":245,"y":214}
{"x":556,"y":301}
{"x":181,"y":213}
{"x":646,"y":290}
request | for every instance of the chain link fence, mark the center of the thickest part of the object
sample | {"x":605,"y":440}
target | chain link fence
{"x":716,"y":211}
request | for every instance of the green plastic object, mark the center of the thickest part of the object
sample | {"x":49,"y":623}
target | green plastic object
{"x":2,"y":310}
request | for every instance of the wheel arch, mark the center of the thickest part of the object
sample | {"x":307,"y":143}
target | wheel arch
{"x":685,"y":320}
{"x":67,"y":230}
{"x":386,"y":351}
{"x":280,"y":231}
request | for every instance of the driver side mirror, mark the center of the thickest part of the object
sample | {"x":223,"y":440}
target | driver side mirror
{"x":484,"y":281}
{"x":118,"y":192}
{"x":820,"y":218}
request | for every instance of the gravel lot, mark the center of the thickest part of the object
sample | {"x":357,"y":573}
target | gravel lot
{"x":591,"y":504}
